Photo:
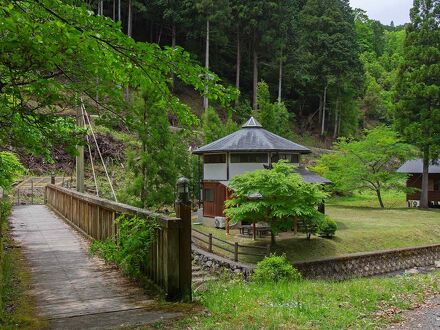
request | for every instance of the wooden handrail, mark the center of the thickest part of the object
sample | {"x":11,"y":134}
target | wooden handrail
{"x":117,"y":207}
{"x":169,"y":264}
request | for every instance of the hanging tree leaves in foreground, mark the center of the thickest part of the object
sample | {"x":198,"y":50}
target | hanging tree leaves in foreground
{"x":52,"y":53}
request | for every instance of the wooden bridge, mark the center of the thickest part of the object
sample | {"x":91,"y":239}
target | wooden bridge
{"x":76,"y":291}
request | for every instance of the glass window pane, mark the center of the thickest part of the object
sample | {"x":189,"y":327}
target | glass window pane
{"x":214,"y":159}
{"x":249,"y":158}
{"x":209,"y":195}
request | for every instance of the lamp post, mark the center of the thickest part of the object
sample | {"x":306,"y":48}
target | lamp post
{"x":183,"y":211}
{"x":182,"y":190}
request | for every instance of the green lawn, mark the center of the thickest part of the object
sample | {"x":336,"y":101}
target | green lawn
{"x":360,"y":229}
{"x":356,"y":304}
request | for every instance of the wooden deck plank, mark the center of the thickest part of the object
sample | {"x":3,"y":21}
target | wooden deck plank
{"x":73,"y":289}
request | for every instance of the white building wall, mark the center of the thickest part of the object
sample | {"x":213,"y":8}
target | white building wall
{"x":240,"y":168}
{"x":217,"y":172}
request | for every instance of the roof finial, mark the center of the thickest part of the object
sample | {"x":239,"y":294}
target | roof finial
{"x":252,"y":122}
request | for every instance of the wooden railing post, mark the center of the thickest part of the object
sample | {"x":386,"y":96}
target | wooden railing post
{"x":236,"y":252}
{"x":210,"y":243}
{"x":183,"y":211}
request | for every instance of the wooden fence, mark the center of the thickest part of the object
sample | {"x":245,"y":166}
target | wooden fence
{"x":231,"y":250}
{"x":170,"y":264}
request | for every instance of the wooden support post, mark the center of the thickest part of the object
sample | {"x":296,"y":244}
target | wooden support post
{"x":227,"y":226}
{"x":254,"y":231}
{"x":236,"y":252}
{"x":210,"y":243}
{"x":80,"y":156}
{"x":183,"y":211}
{"x":268,"y":250}
{"x":32,"y":192}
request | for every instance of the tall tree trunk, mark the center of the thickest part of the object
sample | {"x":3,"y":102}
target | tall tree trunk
{"x":320,"y":109}
{"x":238,"y":67}
{"x":100,"y":8}
{"x":130,"y":19}
{"x":379,"y":197}
{"x":424,"y":198}
{"x":255,"y":79}
{"x":280,"y":78}
{"x":173,"y":35}
{"x":205,"y":98}
{"x":159,"y":36}
{"x":339,"y":124}
{"x":114,"y":10}
{"x":173,"y":46}
{"x":119,"y":11}
{"x":335,"y":129}
{"x":323,"y":111}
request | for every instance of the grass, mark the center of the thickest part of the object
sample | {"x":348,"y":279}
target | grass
{"x":17,"y":307}
{"x":362,"y":227}
{"x":356,"y":304}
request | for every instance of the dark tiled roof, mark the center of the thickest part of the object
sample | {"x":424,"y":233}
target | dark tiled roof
{"x":311,"y":177}
{"x":250,"y":138}
{"x":416,"y":166}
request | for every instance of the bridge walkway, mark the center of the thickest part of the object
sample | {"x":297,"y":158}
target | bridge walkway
{"x":74,"y":290}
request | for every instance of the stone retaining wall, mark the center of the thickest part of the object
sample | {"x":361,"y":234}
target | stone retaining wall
{"x":369,"y":264}
{"x":215,"y":263}
{"x":340,"y":268}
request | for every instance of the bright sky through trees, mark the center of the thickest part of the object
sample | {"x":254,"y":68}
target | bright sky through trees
{"x":385,"y":11}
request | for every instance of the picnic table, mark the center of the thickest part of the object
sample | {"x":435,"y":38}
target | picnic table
{"x":249,"y":229}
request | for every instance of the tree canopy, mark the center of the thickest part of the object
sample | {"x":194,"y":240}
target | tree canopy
{"x":275,"y":196}
{"x":418,"y":87}
{"x":369,"y":163}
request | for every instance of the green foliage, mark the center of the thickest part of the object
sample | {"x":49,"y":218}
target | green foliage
{"x":418,"y":89}
{"x":284,"y":196}
{"x":5,"y":210}
{"x":53,"y":53}
{"x":131,"y":250}
{"x":275,"y":269}
{"x":310,"y":224}
{"x":10,"y":169}
{"x":327,"y":227}
{"x":369,"y":163}
{"x":156,"y":166}
{"x":212,"y":125}
{"x":273,"y":116}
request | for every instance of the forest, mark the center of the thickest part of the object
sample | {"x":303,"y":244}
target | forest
{"x":332,"y":66}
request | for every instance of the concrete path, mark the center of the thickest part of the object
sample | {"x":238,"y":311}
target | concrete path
{"x":72,"y":289}
{"x":425,"y":317}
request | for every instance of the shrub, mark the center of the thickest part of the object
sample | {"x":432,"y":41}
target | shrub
{"x":131,"y":251}
{"x":327,"y":227}
{"x":275,"y":269}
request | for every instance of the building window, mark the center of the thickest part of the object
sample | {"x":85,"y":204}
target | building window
{"x":214,"y":159}
{"x":437,"y":185}
{"x":209,"y":195}
{"x":291,"y":158}
{"x":249,"y":158}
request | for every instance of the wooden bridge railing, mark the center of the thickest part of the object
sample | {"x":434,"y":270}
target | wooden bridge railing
{"x":170,"y":264}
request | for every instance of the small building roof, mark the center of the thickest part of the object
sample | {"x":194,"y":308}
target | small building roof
{"x":252,"y":137}
{"x":311,"y":177}
{"x":416,"y":166}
